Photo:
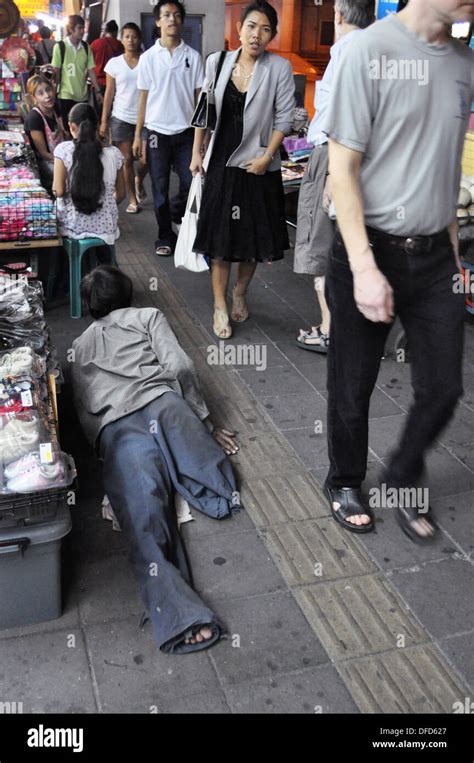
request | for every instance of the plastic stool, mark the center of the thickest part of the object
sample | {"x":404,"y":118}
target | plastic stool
{"x":75,"y":249}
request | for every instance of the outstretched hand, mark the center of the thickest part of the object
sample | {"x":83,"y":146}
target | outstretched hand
{"x":226,"y":440}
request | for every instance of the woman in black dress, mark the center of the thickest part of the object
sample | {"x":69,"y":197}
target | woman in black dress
{"x":241,"y":218}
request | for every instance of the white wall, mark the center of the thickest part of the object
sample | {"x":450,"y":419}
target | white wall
{"x":213,"y":12}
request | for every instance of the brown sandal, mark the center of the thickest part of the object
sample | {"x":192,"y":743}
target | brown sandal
{"x":240,"y":311}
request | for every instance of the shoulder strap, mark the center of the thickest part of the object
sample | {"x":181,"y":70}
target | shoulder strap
{"x":219,"y":67}
{"x":62,"y":48}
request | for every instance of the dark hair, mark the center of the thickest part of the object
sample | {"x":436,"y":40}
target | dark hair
{"x":105,"y":289}
{"x":132,"y":25}
{"x":262,"y":7}
{"x":45,"y":32}
{"x":161,"y":3}
{"x":87,"y":171}
{"x":111,"y":27}
{"x":74,"y":21}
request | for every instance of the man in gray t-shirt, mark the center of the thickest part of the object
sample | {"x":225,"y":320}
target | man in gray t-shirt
{"x":396,"y":122}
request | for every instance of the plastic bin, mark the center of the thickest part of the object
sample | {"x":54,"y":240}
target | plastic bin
{"x":30,"y":570}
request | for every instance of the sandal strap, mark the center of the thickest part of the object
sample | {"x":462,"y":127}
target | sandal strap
{"x":350,"y":500}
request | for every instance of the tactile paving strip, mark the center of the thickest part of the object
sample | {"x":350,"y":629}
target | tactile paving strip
{"x":358,"y":617}
{"x":264,"y":454}
{"x":351,"y":607}
{"x":413,"y":680}
{"x":283,"y":499}
{"x":315,"y":550}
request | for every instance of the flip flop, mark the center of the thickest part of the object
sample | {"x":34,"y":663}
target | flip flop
{"x":163,"y":251}
{"x":133,"y":209}
{"x":315,"y":333}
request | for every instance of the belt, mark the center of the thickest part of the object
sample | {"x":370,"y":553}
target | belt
{"x":410,"y":244}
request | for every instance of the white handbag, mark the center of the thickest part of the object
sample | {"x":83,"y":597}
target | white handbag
{"x":184,"y":257}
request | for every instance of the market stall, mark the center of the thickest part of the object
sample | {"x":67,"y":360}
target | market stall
{"x":36,"y":477}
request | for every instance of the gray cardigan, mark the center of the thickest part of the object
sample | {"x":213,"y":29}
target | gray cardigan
{"x":269,"y":104}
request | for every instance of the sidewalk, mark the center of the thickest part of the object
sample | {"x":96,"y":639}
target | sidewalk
{"x":319,"y":620}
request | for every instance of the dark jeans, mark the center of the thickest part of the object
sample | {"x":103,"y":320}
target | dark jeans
{"x":148,"y":455}
{"x":166,"y":152}
{"x":433,"y":318}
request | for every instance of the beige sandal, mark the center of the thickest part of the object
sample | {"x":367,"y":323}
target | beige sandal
{"x":240,"y":311}
{"x":221,"y":327}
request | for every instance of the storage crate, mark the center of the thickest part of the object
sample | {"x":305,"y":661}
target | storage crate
{"x":30,"y":571}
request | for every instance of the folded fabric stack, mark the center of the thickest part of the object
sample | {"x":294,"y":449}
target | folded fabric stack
{"x":27,"y":214}
{"x":31,"y":460}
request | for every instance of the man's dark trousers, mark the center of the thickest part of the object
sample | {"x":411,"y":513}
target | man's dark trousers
{"x":432,"y":315}
{"x":166,"y":152}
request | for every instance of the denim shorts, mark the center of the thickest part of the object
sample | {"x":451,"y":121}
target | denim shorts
{"x":124,"y":132}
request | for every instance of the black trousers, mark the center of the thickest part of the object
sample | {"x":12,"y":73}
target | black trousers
{"x":433,"y":318}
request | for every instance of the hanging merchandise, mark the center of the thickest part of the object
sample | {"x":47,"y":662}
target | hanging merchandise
{"x":18,"y":55}
{"x":32,"y":465}
{"x":9,"y":17}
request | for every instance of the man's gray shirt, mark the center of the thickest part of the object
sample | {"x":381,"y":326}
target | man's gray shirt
{"x":124,"y":361}
{"x":405,"y":105}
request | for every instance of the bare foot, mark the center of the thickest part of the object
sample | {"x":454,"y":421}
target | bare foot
{"x":354,"y":519}
{"x":204,"y":634}
{"x":423,"y":528}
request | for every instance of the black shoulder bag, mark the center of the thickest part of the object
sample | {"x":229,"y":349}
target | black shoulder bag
{"x":205,"y":115}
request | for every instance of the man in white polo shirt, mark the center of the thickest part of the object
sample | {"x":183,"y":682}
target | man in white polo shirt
{"x":170,"y":77}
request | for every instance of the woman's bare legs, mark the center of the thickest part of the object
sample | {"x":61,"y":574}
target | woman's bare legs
{"x":319,"y":284}
{"x":129,"y":172}
{"x":141,"y":172}
{"x":220,"y":273}
{"x":245,"y":273}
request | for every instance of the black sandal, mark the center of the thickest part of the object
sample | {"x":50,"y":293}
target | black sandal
{"x":407,"y":515}
{"x":350,"y":504}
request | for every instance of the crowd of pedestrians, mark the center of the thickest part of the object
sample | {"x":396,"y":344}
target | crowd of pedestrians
{"x":385,"y":165}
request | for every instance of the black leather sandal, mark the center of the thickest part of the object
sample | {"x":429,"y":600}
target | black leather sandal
{"x":350,"y":504}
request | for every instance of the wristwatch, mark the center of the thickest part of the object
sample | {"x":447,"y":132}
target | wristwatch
{"x":270,"y":156}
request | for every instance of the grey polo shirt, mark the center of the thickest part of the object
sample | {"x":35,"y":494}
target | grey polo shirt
{"x":405,"y":105}
{"x":124,"y":361}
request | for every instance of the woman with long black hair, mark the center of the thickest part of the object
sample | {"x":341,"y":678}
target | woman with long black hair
{"x":242,"y":218}
{"x":88,"y":180}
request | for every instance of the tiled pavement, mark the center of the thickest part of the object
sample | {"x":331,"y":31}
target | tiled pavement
{"x":319,"y":620}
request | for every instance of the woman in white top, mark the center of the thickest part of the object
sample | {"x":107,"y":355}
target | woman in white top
{"x":121,"y":89}
{"x":88,"y":180}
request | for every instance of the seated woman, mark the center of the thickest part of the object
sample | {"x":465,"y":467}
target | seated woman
{"x":88,"y":180}
{"x":140,"y":405}
{"x":44,"y":125}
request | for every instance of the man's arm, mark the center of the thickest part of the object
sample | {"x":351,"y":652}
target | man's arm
{"x":372,"y":292}
{"x":137,"y":142}
{"x":95,"y":84}
{"x":453,"y":235}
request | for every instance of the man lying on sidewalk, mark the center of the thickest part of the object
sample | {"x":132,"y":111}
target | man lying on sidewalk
{"x":139,"y":403}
